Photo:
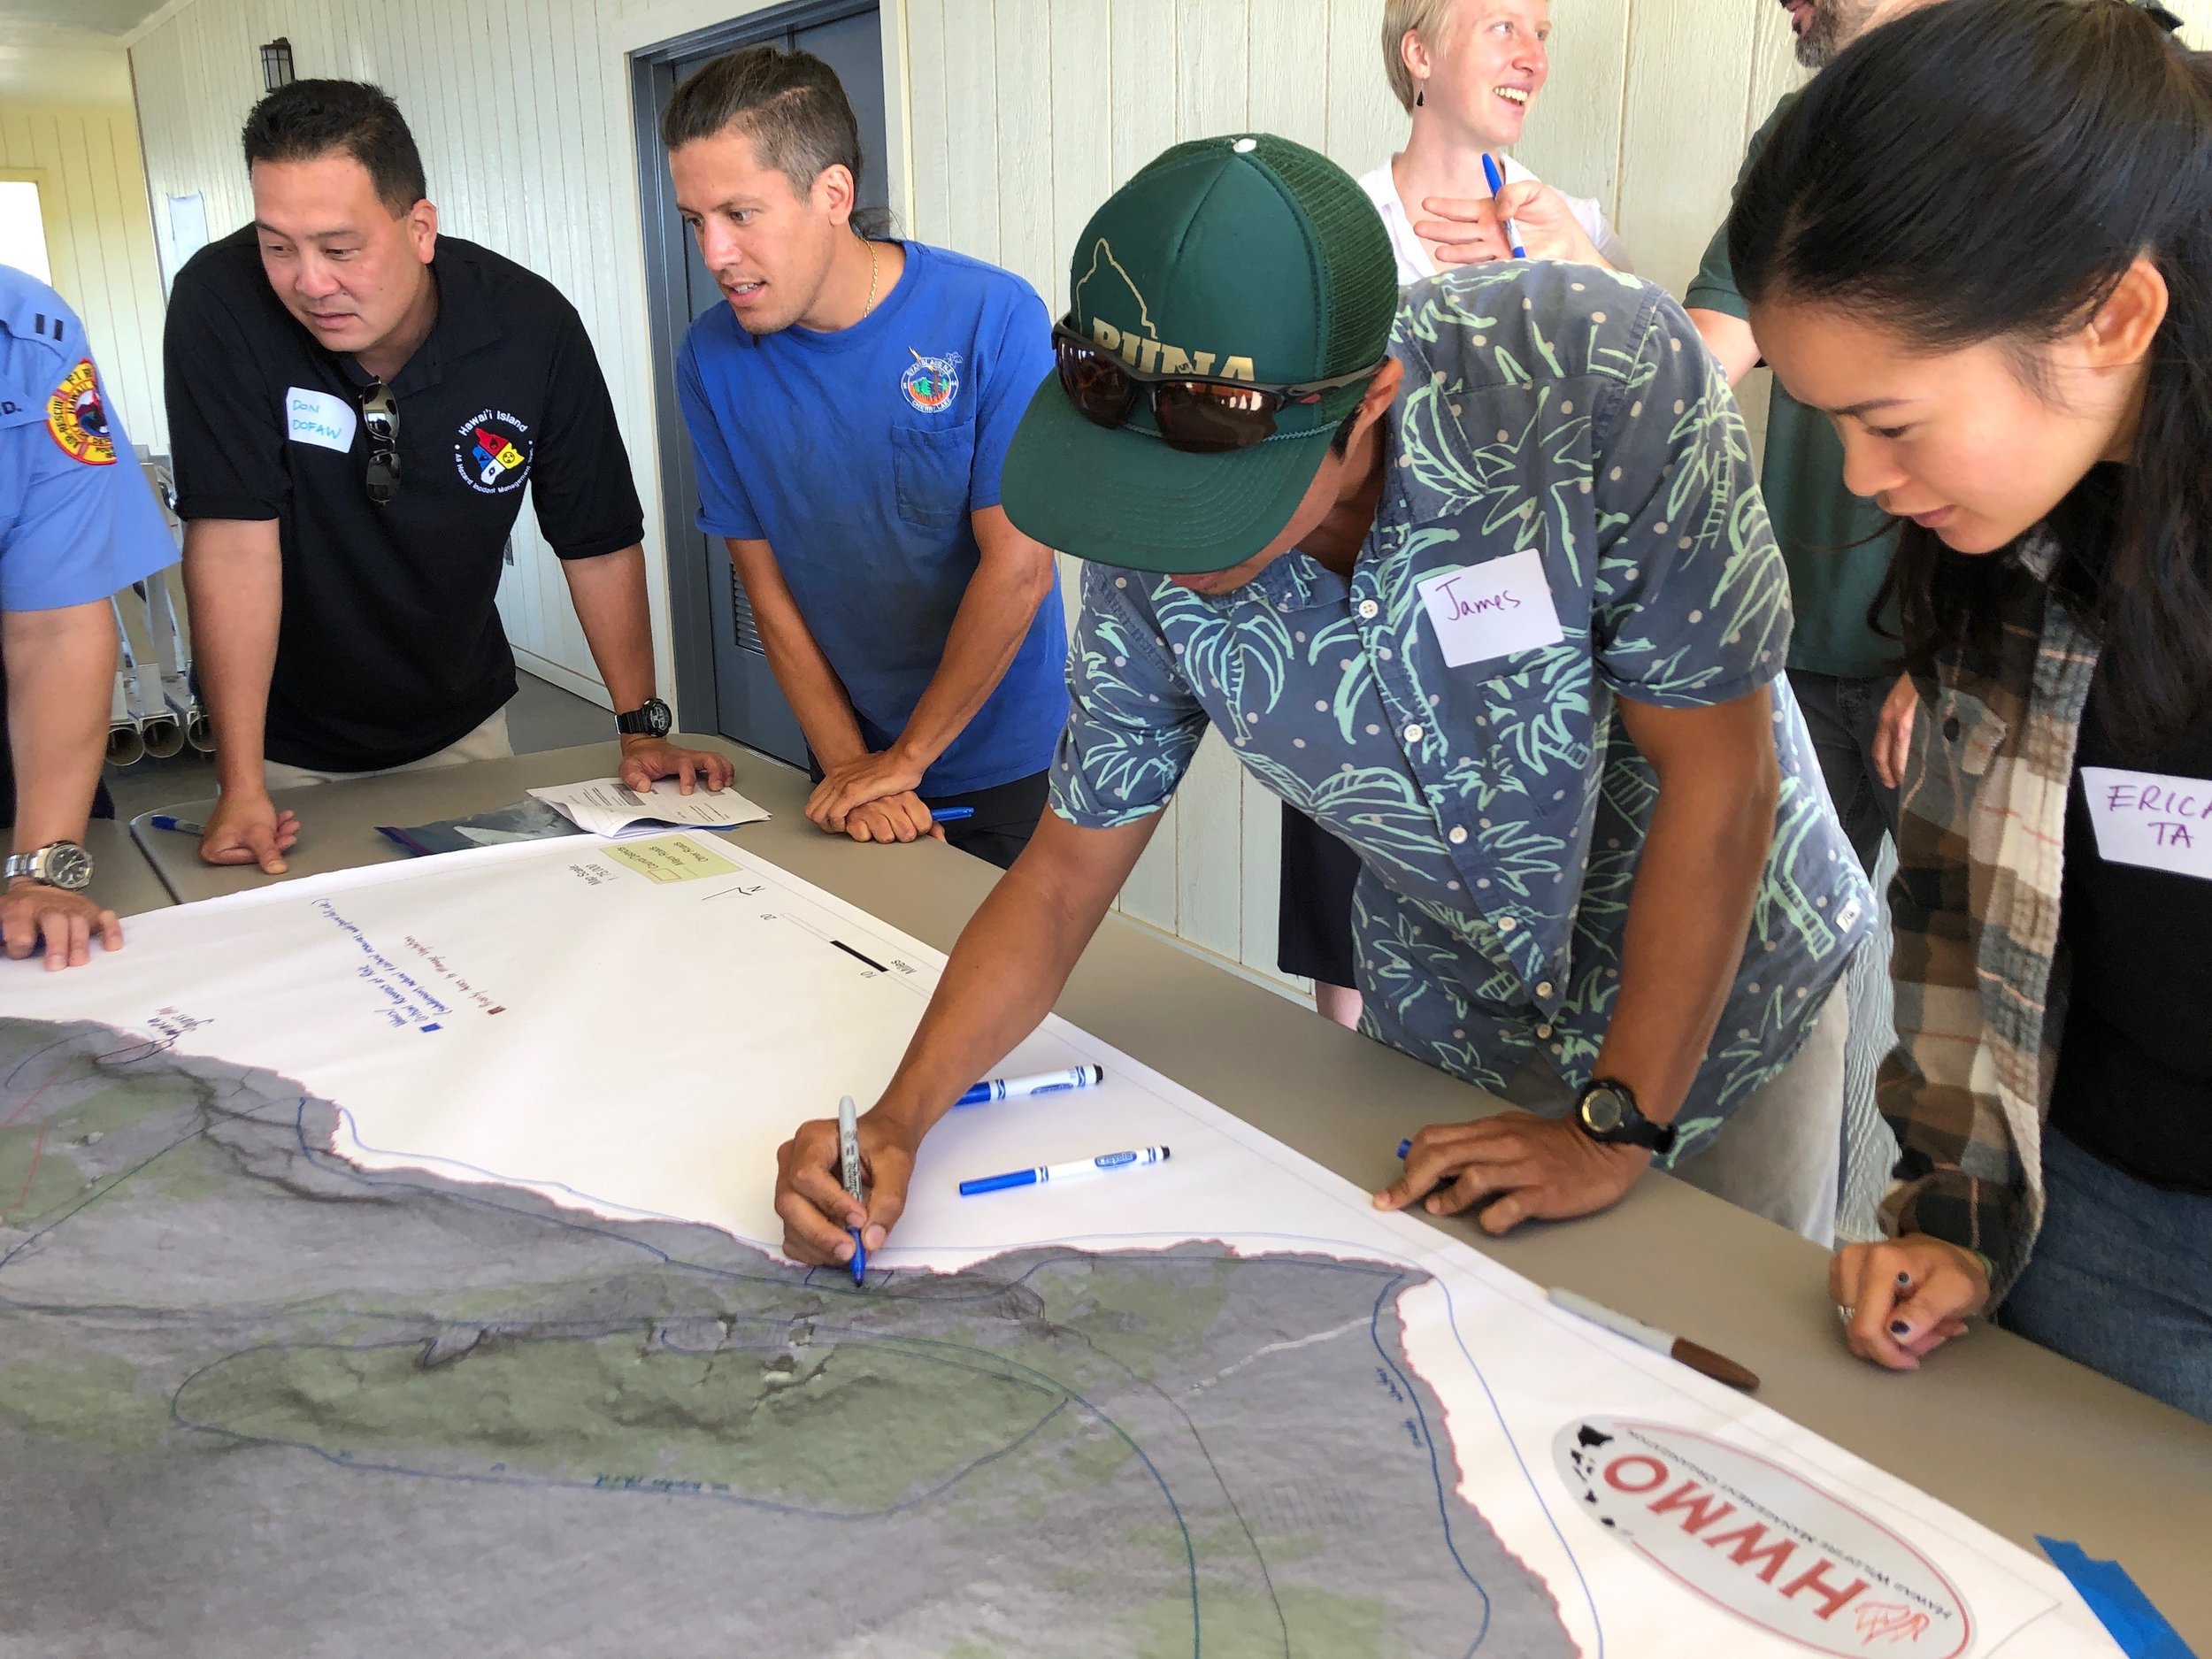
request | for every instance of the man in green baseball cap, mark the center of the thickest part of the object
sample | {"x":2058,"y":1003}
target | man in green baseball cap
{"x":1478,"y":578}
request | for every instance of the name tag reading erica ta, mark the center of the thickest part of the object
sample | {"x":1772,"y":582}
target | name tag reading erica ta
{"x":320,"y":418}
{"x":2152,"y":819}
{"x":1492,"y":610}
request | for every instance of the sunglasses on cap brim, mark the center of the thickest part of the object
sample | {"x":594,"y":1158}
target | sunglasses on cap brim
{"x":1193,"y":413}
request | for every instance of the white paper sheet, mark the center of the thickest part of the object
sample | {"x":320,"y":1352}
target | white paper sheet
{"x":447,"y":1006}
{"x":606,"y":806}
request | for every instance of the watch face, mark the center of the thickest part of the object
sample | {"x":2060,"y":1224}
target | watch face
{"x":66,"y":864}
{"x":1602,"y":1112}
{"x":657,"y":717}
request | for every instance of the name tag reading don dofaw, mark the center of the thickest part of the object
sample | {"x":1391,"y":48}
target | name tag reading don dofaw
{"x":1492,"y":610}
{"x":320,"y":418}
{"x":2151,"y":818}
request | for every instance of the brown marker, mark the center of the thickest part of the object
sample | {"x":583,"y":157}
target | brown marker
{"x":1702,"y":1360}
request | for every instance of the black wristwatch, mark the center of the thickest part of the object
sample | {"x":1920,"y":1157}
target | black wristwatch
{"x":1607,"y":1113}
{"x":650,"y":719}
{"x":62,"y":865}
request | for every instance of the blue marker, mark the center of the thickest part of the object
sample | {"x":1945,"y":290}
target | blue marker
{"x":1043,"y":1083}
{"x":183,"y":826}
{"x":1497,"y":183}
{"x":951,"y":814}
{"x":848,"y":1155}
{"x":1045,"y":1173}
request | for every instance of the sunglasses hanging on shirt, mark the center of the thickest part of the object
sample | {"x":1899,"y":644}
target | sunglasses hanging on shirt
{"x":1195,"y":415}
{"x":380,"y":414}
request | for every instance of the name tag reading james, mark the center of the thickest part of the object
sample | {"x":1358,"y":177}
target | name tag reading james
{"x":320,"y":418}
{"x":1492,"y":610}
{"x":2152,"y":819}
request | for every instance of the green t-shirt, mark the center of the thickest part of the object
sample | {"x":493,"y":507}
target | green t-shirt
{"x":1837,"y":545}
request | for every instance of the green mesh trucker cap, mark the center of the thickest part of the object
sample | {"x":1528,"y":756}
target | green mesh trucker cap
{"x":1243,"y":257}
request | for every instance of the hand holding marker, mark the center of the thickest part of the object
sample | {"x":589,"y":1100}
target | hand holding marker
{"x":1506,"y":226}
{"x":849,"y":1156}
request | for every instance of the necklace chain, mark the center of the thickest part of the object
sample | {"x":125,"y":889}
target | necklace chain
{"x":871,"y":305}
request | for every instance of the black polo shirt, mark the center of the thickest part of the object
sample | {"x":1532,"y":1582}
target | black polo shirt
{"x":390,"y":646}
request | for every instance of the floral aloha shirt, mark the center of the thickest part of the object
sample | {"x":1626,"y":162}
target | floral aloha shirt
{"x":1498,"y":807}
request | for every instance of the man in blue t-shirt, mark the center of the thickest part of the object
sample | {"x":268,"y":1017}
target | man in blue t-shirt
{"x":850,"y":410}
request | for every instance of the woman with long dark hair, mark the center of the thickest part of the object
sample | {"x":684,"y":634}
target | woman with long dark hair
{"x":1981,"y":244}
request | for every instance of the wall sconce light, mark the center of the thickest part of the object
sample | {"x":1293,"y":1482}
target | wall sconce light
{"x":276,"y":65}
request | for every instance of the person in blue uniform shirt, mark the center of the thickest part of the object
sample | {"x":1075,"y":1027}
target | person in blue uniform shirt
{"x":851,"y":409}
{"x":76,"y":522}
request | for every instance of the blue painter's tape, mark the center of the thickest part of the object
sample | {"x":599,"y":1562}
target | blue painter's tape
{"x":2122,"y":1608}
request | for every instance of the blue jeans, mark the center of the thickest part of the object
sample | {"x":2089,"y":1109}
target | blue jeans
{"x":1842,"y":717}
{"x":2121,"y":1278}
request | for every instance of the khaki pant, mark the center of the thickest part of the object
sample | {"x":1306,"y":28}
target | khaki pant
{"x":1779,"y":1154}
{"x":487,"y":742}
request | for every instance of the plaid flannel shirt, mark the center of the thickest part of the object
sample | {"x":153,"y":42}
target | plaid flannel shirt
{"x":1981,"y":841}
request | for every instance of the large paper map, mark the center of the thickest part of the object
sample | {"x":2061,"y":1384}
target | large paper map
{"x":385,"y":1264}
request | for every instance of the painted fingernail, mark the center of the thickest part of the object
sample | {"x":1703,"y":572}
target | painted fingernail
{"x":1898,"y":1327}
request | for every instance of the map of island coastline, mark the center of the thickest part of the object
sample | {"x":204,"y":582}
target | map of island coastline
{"x":285,"y":1366}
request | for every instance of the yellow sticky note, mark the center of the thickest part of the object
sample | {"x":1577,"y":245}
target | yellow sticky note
{"x":671,"y":858}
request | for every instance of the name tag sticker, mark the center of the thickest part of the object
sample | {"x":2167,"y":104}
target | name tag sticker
{"x":320,"y":418}
{"x":2151,"y":819}
{"x":1492,"y":610}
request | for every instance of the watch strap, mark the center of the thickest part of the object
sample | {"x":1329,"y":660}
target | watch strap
{"x":649,"y":718}
{"x":37,"y":865}
{"x":1635,"y":1129}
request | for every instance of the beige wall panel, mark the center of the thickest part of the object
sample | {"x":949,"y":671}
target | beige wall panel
{"x":1284,"y":95}
{"x":1365,"y":124}
{"x":927,"y":118}
{"x":1024,"y":144}
{"x":1146,"y":45}
{"x":971,"y":142}
{"x":1573,"y":139}
{"x":99,"y":237}
{"x":1210,"y":851}
{"x":1683,"y":131}
{"x":1263,"y":862}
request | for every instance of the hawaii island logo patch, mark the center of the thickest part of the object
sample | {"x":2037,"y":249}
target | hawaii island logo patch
{"x":493,"y":452}
{"x":78,"y":419}
{"x":931,"y":383}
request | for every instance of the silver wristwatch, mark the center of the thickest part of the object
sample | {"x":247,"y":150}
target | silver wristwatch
{"x":62,"y":865}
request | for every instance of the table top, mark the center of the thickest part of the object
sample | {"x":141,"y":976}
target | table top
{"x":2015,"y":1436}
{"x":121,"y":878}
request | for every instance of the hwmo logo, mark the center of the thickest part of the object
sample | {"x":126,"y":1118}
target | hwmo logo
{"x":1105,"y":287}
{"x":1760,"y":1541}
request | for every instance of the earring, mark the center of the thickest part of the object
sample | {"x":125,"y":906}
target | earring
{"x":1420,"y":97}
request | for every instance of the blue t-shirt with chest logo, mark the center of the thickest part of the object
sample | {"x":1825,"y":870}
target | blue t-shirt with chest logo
{"x":859,"y":456}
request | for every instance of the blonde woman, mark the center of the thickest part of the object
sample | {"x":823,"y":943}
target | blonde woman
{"x":1469,"y":73}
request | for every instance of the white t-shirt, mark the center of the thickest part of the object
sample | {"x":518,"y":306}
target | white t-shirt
{"x":1413,"y":258}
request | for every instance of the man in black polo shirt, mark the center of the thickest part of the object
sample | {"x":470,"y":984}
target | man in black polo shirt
{"x":355,"y":404}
